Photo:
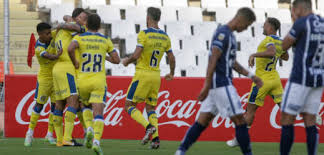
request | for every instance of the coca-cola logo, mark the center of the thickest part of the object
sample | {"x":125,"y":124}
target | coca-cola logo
{"x":177,"y":112}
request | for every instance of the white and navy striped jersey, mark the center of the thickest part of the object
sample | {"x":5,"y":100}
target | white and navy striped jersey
{"x":308,"y":63}
{"x":225,"y":41}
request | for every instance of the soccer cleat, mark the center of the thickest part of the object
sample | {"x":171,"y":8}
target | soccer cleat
{"x":89,"y":138}
{"x":155,"y":144}
{"x":319,"y":120}
{"x":71,"y":143}
{"x":180,"y":152}
{"x":59,"y":144}
{"x":150,"y":130}
{"x":50,"y":139}
{"x":232,"y":143}
{"x":28,"y":140}
{"x":96,"y":148}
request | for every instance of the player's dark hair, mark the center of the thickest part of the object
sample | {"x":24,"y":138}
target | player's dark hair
{"x":76,"y":12}
{"x":307,"y":4}
{"x":43,"y":26}
{"x":154,"y":13}
{"x":274,"y":22}
{"x":94,"y":21}
{"x":247,"y":13}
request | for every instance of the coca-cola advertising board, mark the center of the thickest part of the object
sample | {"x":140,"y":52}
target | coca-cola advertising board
{"x":177,"y":109}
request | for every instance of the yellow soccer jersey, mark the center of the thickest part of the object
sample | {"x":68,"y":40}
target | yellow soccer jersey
{"x":93,"y":48}
{"x":46,"y":65}
{"x":63,"y":40}
{"x":266,"y":67}
{"x":154,"y":43}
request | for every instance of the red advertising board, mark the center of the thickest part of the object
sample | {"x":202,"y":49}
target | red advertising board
{"x":177,"y":109}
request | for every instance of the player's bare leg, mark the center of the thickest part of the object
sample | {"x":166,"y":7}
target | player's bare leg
{"x":70,"y":114}
{"x":152,"y":117}
{"x":130,"y":107}
{"x":58,"y":121}
{"x":33,"y":122}
{"x":98,"y":127}
{"x":194,"y":132}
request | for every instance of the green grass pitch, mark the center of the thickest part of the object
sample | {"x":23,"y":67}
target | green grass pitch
{"x":14,"y":146}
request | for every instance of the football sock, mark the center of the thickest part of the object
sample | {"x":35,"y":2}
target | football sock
{"x":69,"y":123}
{"x":312,"y":139}
{"x":98,"y":127}
{"x":80,"y":117}
{"x":87,"y":117}
{"x":34,"y":117}
{"x":153,"y":121}
{"x":191,"y":136}
{"x":137,"y":116}
{"x":50,"y":119}
{"x":58,"y":125}
{"x":243,"y":138}
{"x":287,"y":139}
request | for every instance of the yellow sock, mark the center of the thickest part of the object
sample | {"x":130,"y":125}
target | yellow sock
{"x":153,"y":121}
{"x":98,"y":127}
{"x":69,"y":123}
{"x":80,"y":117}
{"x":58,"y":125}
{"x":137,"y":116}
{"x":88,"y":117}
{"x":50,"y":123}
{"x":33,"y":120}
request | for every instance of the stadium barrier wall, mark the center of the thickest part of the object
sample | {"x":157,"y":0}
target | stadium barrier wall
{"x":177,"y":110}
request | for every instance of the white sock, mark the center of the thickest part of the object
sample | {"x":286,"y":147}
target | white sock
{"x":30,"y":131}
{"x":49,"y":134}
{"x":85,"y":130}
{"x":95,"y":141}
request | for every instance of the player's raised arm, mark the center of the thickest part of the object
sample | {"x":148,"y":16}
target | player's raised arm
{"x":74,"y":45}
{"x":241,"y":70}
{"x":213,"y":58}
{"x":71,"y":27}
{"x":269,"y":53}
{"x":49,"y":56}
{"x":134,"y":57}
{"x":296,"y":31}
{"x":285,"y":56}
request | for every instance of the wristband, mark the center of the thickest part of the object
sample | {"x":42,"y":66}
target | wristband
{"x":250,"y":75}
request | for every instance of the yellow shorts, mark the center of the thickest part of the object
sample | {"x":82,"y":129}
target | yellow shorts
{"x":44,"y":89}
{"x":145,"y":87}
{"x":92,"y":91}
{"x":64,"y":80}
{"x":270,"y":87}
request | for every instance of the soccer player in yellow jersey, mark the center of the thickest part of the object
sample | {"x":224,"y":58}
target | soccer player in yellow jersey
{"x":152,"y":43}
{"x":269,"y":52}
{"x":65,"y":82}
{"x":93,"y":48}
{"x":46,"y":56}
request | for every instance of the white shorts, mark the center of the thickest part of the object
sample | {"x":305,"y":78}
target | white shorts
{"x":223,"y":100}
{"x":301,"y":99}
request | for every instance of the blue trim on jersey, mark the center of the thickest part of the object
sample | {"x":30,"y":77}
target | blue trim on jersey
{"x":132,"y":90}
{"x":36,"y":92}
{"x":92,"y":33}
{"x":286,"y":97}
{"x":130,"y":110}
{"x":169,"y":51}
{"x":104,"y":97}
{"x":71,"y":83}
{"x":275,"y":37}
{"x":98,"y":117}
{"x":52,"y":107}
{"x":37,"y":109}
{"x":230,"y":99}
{"x":83,"y":109}
{"x":38,"y":43}
{"x":150,"y":113}
{"x":71,"y":109}
{"x":254,"y":94}
{"x":58,"y":112}
{"x":153,"y":30}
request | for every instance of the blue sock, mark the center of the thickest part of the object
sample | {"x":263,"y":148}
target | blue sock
{"x":191,"y":136}
{"x":287,"y":139}
{"x":243,"y":138}
{"x":312,"y":139}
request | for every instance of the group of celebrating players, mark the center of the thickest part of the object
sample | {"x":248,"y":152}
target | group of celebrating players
{"x":72,"y":74}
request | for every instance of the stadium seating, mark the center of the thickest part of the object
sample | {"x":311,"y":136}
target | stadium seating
{"x":136,"y":14}
{"x":58,"y":11}
{"x":260,"y":15}
{"x":113,"y":12}
{"x":190,"y":14}
{"x":223,"y":15}
{"x":122,"y":29}
{"x":175,"y":3}
{"x":48,"y":3}
{"x":213,"y":3}
{"x":92,"y":3}
{"x":122,"y":2}
{"x":147,"y":3}
{"x":168,"y":14}
{"x":283,"y":15}
{"x":320,"y":5}
{"x":239,"y":3}
{"x":266,"y":4}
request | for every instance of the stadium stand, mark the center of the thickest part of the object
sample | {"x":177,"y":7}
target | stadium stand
{"x":187,"y":25}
